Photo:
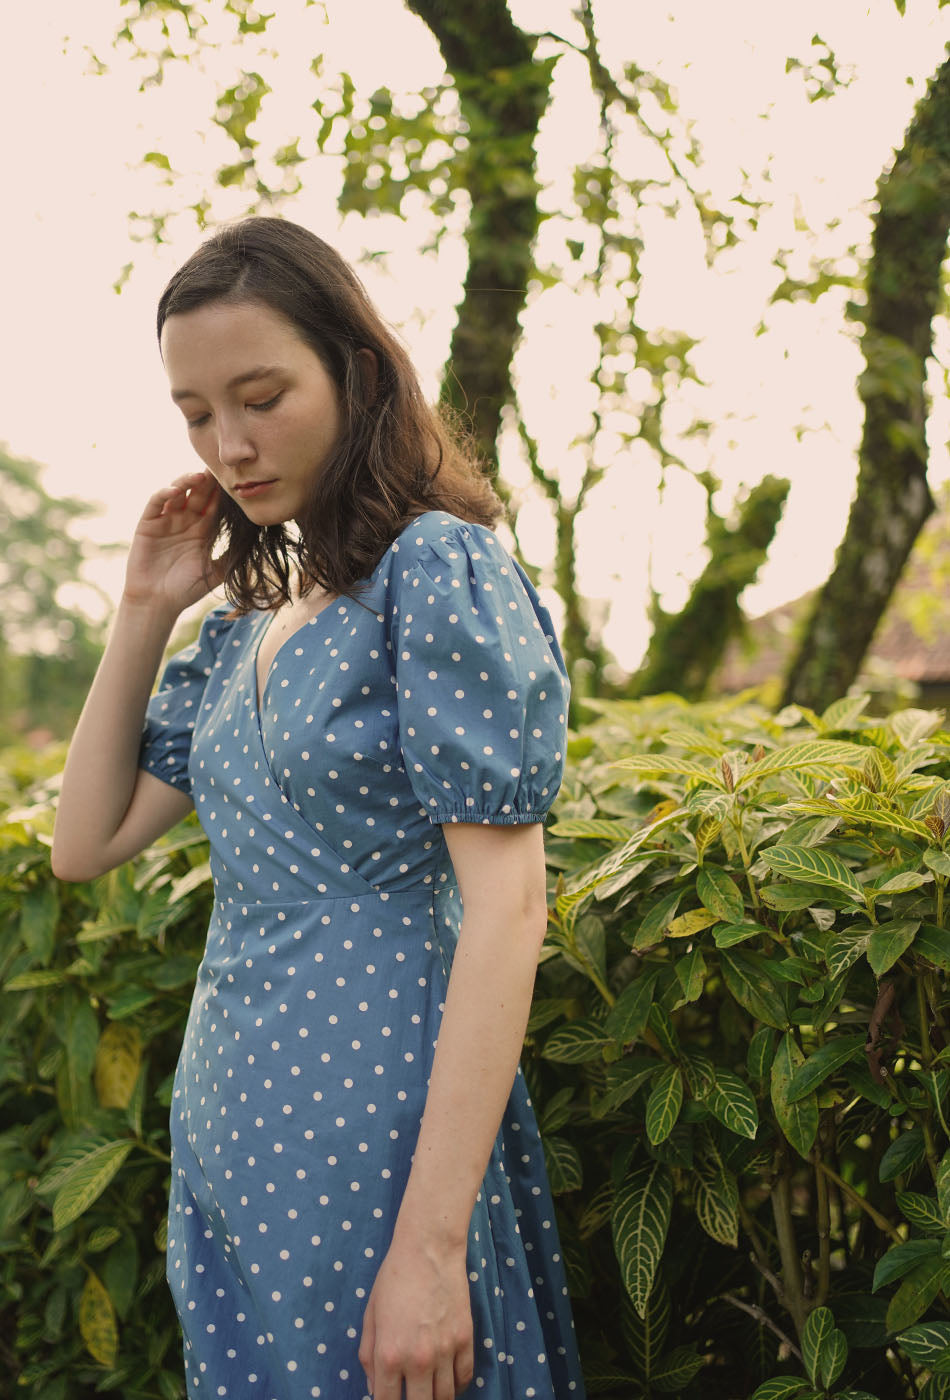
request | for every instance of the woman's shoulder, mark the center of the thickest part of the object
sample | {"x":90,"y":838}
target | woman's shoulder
{"x":440,"y":533}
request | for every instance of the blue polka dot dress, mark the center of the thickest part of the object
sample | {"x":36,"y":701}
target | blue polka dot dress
{"x":440,"y":696}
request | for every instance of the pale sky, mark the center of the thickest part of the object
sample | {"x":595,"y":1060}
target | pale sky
{"x":83,"y":389}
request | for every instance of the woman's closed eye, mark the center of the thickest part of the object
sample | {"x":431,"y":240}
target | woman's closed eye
{"x":264,"y":407}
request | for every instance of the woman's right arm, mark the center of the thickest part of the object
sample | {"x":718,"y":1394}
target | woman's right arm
{"x":109,"y":809}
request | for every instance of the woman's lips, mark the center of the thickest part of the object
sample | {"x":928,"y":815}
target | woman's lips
{"x":253,"y":488}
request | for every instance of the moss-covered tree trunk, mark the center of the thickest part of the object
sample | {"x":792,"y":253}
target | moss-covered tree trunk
{"x":686,"y":647}
{"x":503,"y":92}
{"x":892,"y":500}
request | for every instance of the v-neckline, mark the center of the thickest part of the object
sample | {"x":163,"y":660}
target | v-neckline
{"x":260,"y":690}
{"x":260,"y":687}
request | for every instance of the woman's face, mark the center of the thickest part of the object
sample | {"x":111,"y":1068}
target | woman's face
{"x":261,"y":409}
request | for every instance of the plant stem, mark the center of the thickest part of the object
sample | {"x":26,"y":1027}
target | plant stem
{"x":880,"y":1221}
{"x":793,"y":1299}
{"x":746,"y":863}
{"x":763,"y":1318}
{"x":824,"y":1232}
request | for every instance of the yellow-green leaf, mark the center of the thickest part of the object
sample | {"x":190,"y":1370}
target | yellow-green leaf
{"x":97,"y":1324}
{"x":87,"y":1179}
{"x":118,"y":1057}
{"x":691,"y":923}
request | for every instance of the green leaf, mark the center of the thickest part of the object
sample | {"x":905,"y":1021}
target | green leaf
{"x":831,"y":1362}
{"x":39,"y":915}
{"x":747,"y":977}
{"x":911,"y":726}
{"x":815,"y":867}
{"x":727,"y":935}
{"x":718,"y":892}
{"x":822,"y":1063}
{"x":733,"y":1104}
{"x":799,"y":1120}
{"x":813,"y":753}
{"x":937,"y":1388}
{"x":691,"y":975}
{"x":576,"y":1043}
{"x":627,"y":1018}
{"x":656,"y":921}
{"x":920,"y":1211}
{"x":842,"y":713}
{"x":904,"y":1152}
{"x":645,"y":1336}
{"x":664,"y":1103}
{"x":641,"y":1218}
{"x":699,"y":1073}
{"x":819,"y":1326}
{"x":30,"y":981}
{"x":760,"y":1053}
{"x":938,"y":861}
{"x":86,"y":1181}
{"x":915,"y":1294}
{"x":933,"y":945}
{"x":845,"y":950}
{"x":660,"y":1024}
{"x":676,"y":1369}
{"x":901,"y":1258}
{"x":791,"y":898}
{"x":887,"y":943}
{"x":928,"y":1344}
{"x":903,"y":881}
{"x":716,"y":1195}
{"x":779,"y":1388}
{"x":943,"y":1187}
{"x":563,"y":1164}
{"x":659,"y":763}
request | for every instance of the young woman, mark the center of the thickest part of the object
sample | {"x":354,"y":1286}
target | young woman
{"x":372,"y":730}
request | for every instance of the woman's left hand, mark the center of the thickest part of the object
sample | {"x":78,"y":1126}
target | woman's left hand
{"x":417,"y":1328}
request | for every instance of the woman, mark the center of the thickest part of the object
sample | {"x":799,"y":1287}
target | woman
{"x":371,"y":733}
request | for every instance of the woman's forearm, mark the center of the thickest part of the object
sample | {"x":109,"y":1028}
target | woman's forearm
{"x":476,"y":1059}
{"x":102,"y":764}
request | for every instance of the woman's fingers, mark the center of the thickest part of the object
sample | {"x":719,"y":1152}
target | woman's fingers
{"x":464,"y":1368}
{"x":443,"y":1383}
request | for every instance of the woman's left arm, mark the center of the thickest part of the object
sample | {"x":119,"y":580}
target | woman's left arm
{"x":417,"y":1328}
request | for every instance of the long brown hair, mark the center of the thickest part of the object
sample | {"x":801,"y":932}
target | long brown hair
{"x":396,"y":456}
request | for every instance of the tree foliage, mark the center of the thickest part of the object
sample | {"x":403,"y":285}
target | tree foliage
{"x":49,"y":649}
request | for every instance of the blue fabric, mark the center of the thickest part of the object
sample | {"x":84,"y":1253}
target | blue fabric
{"x":440,"y":695}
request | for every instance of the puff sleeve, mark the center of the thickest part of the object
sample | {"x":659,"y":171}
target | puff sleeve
{"x":482,"y":689}
{"x":172,"y":710}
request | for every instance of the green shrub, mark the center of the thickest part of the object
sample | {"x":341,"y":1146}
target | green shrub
{"x":739,"y":1052}
{"x":97,"y":981}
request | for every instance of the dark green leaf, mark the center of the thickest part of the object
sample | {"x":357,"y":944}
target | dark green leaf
{"x":904,"y":1152}
{"x":822,"y":1063}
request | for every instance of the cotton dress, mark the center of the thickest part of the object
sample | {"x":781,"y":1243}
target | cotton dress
{"x":440,"y":697}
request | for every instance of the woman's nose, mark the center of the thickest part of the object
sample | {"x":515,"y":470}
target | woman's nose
{"x":234,"y":446}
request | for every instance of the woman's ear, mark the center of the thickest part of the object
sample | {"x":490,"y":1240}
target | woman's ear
{"x":369,"y":374}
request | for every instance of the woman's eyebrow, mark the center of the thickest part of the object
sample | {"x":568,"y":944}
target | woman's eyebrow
{"x":259,"y":372}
